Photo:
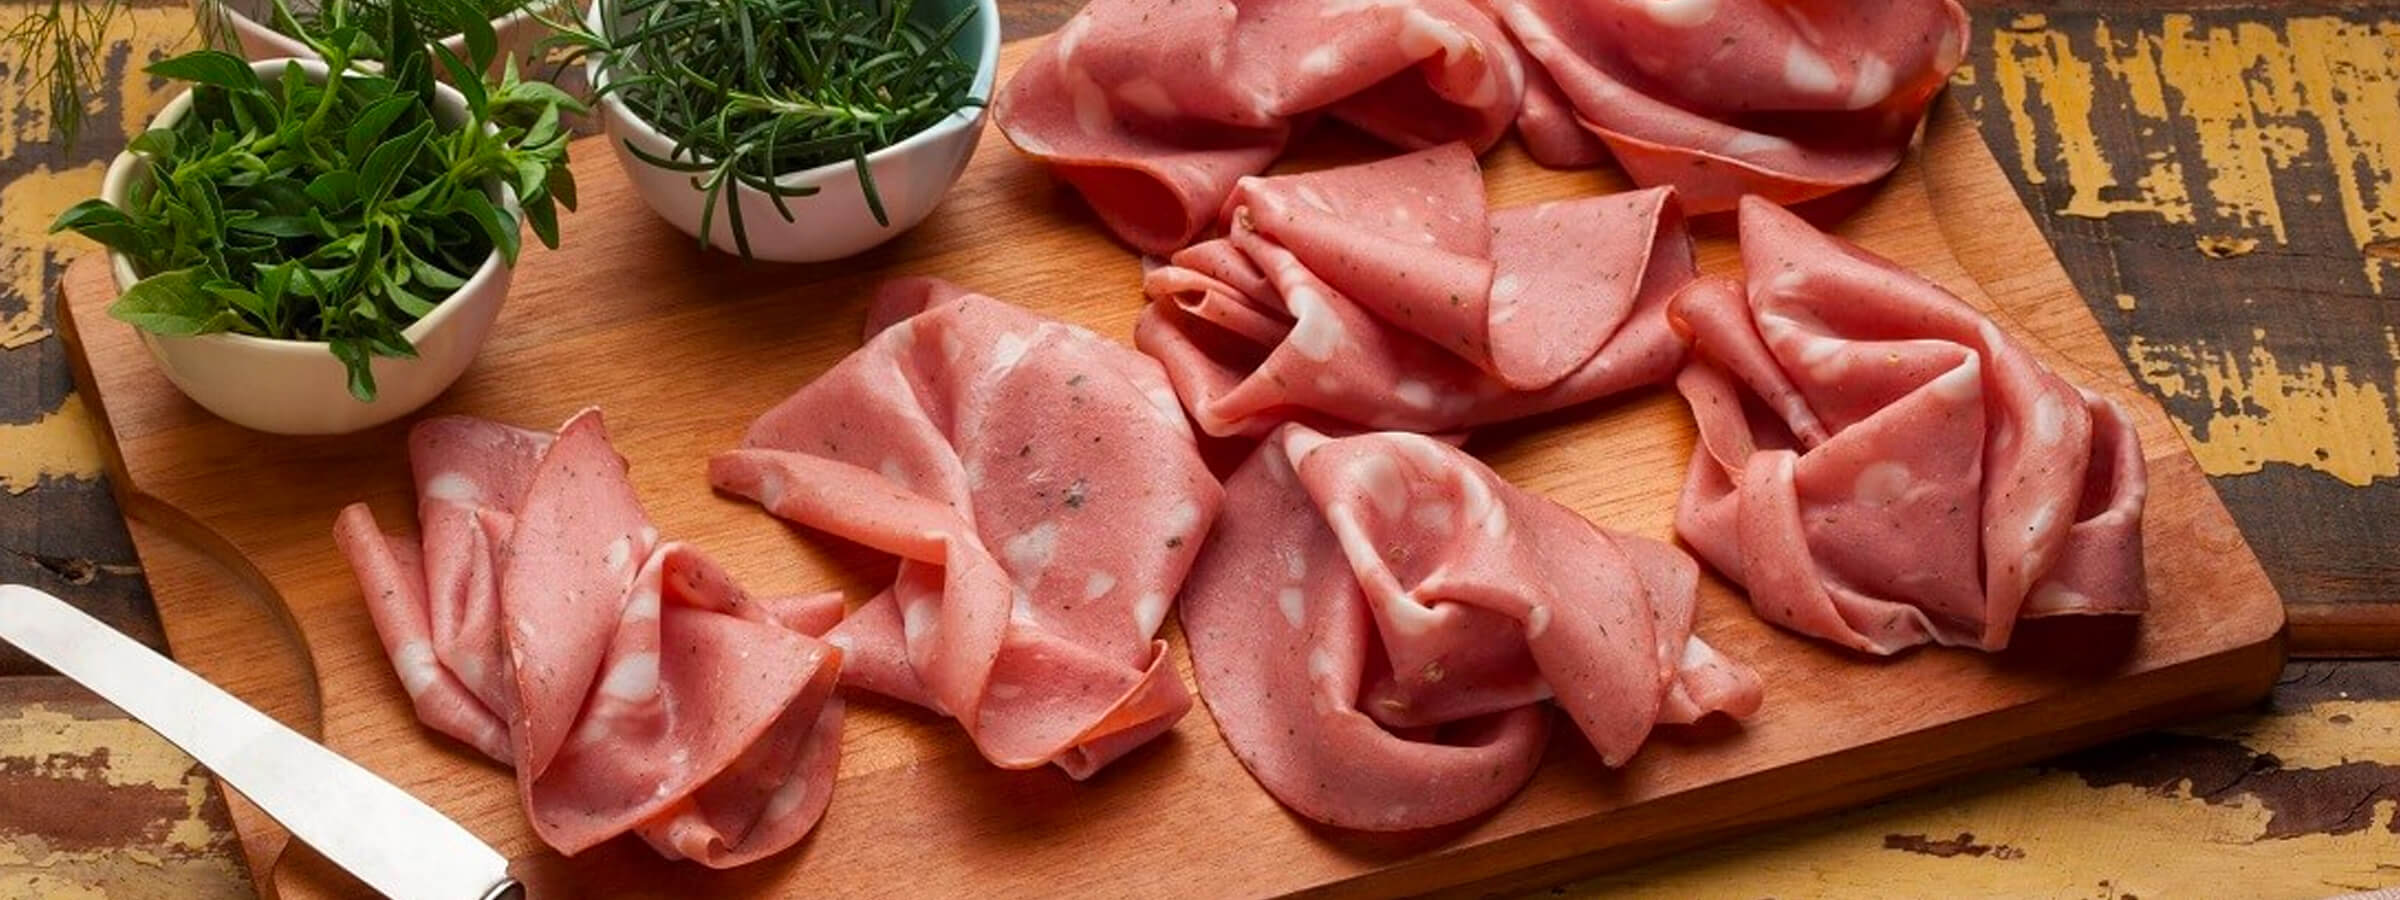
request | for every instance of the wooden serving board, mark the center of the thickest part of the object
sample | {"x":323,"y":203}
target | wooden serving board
{"x":683,"y":348}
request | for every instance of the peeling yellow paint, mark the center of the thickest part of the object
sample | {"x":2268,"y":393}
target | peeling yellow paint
{"x":2354,"y":70}
{"x":64,"y":443}
{"x":31,"y":201}
{"x":143,"y":30}
{"x":2257,"y":97}
{"x":2076,"y":841}
{"x":2262,"y":411}
{"x":2037,"y":63}
{"x":28,"y":204}
{"x":2327,"y":734}
{"x":2225,"y":246}
{"x":138,"y":757}
{"x":60,"y":745}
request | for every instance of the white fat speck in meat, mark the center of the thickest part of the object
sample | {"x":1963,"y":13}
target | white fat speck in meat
{"x":1149,"y":612}
{"x":1681,"y":13}
{"x":619,"y":555}
{"x":1324,"y":60}
{"x":1381,"y":477}
{"x":1090,"y":101}
{"x":1414,"y":393}
{"x":1030,"y":552}
{"x":633,"y":679}
{"x":453,"y":487}
{"x":1537,"y":620}
{"x":1317,"y":333}
{"x":1422,"y":35}
{"x":1873,"y":82}
{"x":2049,"y":419}
{"x":1806,"y":71}
{"x":1748,"y":144}
{"x":1962,"y":383}
{"x":1007,"y":352}
{"x":1149,"y":96}
{"x":1882,"y":483}
{"x":416,"y":666}
{"x":644,"y":606}
{"x":1294,"y":604}
{"x":916,"y":619}
{"x":1163,"y":400}
{"x":1436,"y":516}
{"x":1097,"y":585}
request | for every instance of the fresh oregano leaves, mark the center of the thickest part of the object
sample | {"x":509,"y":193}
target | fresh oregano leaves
{"x":340,"y":212}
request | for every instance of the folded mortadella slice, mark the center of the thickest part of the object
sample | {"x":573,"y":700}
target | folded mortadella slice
{"x":1881,"y":466}
{"x":1385,"y":296}
{"x":1153,"y":109}
{"x":1045,"y":496}
{"x":1379,"y":618}
{"x":634,"y":688}
{"x":1722,"y":98}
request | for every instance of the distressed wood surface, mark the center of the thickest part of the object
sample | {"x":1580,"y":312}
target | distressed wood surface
{"x":2209,"y":641}
{"x":2224,"y":187}
{"x":2163,"y":826}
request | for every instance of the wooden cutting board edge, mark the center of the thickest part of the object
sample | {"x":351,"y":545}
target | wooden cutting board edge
{"x":2239,"y":675}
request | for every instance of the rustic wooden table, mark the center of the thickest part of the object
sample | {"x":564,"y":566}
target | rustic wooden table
{"x":2220,"y":183}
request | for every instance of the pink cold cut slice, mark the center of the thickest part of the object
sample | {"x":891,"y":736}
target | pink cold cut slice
{"x":1881,"y":466}
{"x":1379,"y":618}
{"x":1724,"y":98}
{"x":1153,"y":109}
{"x":632,"y":685}
{"x":1386,"y":296}
{"x":1045,"y":496}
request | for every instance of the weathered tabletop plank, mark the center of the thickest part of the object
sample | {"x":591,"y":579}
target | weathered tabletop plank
{"x":2298,"y":799}
{"x":2224,"y":187}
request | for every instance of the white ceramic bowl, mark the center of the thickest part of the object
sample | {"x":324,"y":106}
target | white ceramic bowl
{"x":298,"y":387}
{"x":520,"y":34}
{"x":911,"y":176}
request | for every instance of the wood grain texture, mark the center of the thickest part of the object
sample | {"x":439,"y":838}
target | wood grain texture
{"x":2294,"y":800}
{"x":683,"y":348}
{"x":91,"y":803}
{"x":79,"y":783}
{"x":2224,"y":188}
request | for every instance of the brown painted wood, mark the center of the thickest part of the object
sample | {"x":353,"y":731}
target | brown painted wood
{"x":2294,"y":295}
{"x":683,"y":348}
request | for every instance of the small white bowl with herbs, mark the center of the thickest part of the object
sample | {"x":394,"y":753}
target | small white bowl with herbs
{"x":306,"y":254}
{"x":792,"y":130}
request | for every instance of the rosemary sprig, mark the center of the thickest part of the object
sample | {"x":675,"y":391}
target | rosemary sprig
{"x":753,"y":89}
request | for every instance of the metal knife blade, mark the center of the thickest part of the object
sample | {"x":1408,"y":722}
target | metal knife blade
{"x":390,"y":840}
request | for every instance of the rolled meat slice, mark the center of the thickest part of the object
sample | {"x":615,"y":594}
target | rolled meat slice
{"x":1723,"y":98}
{"x":1384,"y":296}
{"x":1045,"y":496}
{"x":634,"y":688}
{"x":1379,"y":617}
{"x":1152,"y":109}
{"x":1881,"y":466}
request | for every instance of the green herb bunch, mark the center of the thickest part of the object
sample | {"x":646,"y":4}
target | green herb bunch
{"x":753,"y":89}
{"x":373,"y":17}
{"x":340,"y":212}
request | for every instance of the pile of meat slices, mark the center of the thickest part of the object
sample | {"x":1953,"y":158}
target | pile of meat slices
{"x":1379,"y":623}
{"x":1155,"y":109}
